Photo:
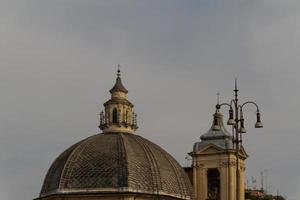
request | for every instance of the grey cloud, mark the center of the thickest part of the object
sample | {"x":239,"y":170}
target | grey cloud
{"x":58,"y":58}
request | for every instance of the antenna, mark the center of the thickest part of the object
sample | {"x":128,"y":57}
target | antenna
{"x":262,"y":180}
{"x":266,"y":180}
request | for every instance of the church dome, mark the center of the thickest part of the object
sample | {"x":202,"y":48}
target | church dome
{"x":117,"y":163}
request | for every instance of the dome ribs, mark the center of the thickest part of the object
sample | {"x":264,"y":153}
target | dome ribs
{"x":53,"y":177}
{"x":182,"y":181}
{"x":117,"y":163}
{"x":155,"y":174}
{"x":92,"y":168}
{"x":175,"y":170}
{"x":72,"y":160}
{"x":169,"y":177}
{"x":122,"y":163}
{"x":139,"y":177}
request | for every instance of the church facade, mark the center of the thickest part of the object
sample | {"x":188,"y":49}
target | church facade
{"x":119,"y":164}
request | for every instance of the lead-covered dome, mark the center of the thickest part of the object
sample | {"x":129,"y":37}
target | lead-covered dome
{"x":117,"y":163}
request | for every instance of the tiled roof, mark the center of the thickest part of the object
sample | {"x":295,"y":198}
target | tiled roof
{"x":221,"y":138}
{"x":119,"y":87}
{"x":117,"y":162}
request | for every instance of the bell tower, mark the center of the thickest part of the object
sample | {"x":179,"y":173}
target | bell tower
{"x":118,"y":115}
{"x":214,"y":164}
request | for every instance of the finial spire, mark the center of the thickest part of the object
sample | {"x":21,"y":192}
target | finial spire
{"x":235,"y":90}
{"x":118,"y":87}
{"x":119,"y":70}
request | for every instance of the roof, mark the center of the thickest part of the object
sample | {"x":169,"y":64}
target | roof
{"x":118,"y":87}
{"x":118,"y":101}
{"x":221,"y":138}
{"x":117,"y":162}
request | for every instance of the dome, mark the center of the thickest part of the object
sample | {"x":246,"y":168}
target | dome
{"x":117,"y":163}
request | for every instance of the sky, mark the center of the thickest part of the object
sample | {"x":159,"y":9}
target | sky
{"x":58,"y":61}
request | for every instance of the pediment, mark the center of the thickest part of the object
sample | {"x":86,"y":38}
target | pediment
{"x":210,"y":149}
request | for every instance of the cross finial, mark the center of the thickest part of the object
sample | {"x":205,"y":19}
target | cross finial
{"x":119,"y":71}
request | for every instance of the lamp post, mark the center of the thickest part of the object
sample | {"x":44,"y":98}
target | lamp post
{"x":236,"y":120}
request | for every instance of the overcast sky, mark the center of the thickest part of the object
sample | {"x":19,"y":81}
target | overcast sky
{"x":58,"y":61}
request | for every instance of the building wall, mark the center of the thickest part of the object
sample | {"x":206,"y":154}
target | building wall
{"x":225,"y":163}
{"x":107,"y":197}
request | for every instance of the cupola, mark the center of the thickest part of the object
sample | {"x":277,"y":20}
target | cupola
{"x":118,"y":114}
{"x":217,"y":135}
{"x":115,"y":163}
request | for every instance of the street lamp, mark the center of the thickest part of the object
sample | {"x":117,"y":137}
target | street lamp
{"x":236,"y":120}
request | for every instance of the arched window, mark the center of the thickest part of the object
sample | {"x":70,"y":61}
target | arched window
{"x":115,"y":116}
{"x":213,"y":184}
